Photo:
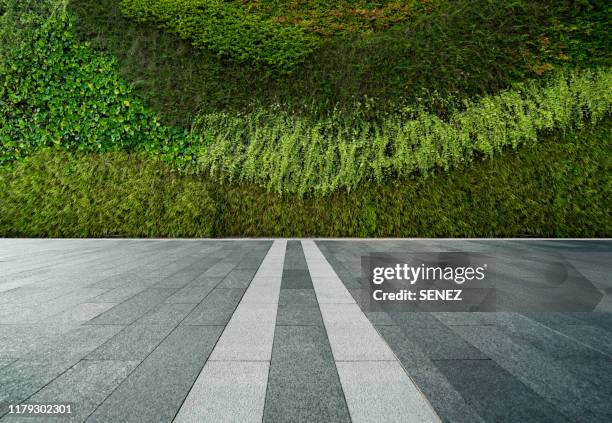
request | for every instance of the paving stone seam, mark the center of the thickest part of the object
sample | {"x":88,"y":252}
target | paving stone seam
{"x":263,"y":273}
{"x":164,"y":338}
{"x":360,"y":406}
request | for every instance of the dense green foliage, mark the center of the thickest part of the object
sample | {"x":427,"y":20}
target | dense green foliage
{"x":226,"y":29}
{"x":289,"y":154}
{"x":56,"y":194}
{"x":559,"y":187}
{"x":446,"y":96}
{"x":55,"y":91}
{"x":458,"y":50}
{"x":330,"y":17}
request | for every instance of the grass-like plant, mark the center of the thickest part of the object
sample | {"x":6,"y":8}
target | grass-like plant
{"x":296,"y":155}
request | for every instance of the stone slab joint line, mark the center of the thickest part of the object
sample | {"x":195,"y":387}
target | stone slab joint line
{"x":233,"y":383}
{"x":375,"y":384}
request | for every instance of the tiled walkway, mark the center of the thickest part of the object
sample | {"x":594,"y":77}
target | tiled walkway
{"x":277,"y":331}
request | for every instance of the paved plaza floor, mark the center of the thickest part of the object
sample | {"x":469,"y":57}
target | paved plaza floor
{"x":279,"y":331}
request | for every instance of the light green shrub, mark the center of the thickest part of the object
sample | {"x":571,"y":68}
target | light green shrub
{"x":291,"y":154}
{"x":227,"y":29}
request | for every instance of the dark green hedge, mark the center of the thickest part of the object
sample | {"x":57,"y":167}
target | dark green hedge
{"x":560,"y":187}
{"x":226,"y":29}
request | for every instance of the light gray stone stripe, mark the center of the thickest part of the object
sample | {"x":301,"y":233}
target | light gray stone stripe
{"x":374,"y":382}
{"x":232,"y":384}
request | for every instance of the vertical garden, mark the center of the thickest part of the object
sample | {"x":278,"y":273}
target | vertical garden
{"x":282,"y":118}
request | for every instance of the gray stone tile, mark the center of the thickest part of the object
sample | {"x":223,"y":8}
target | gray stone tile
{"x":380,"y":318}
{"x":190,"y":294}
{"x":133,"y":308}
{"x":466,"y":318}
{"x":298,"y":314}
{"x":444,"y":398}
{"x":603,"y":320}
{"x":227,"y":392}
{"x":80,"y":313}
{"x":216,"y":309}
{"x":593,"y":336}
{"x":351,"y":335}
{"x":237,"y":279}
{"x":166,"y":314}
{"x":133,"y":343}
{"x":495,"y":394}
{"x":84,"y":386}
{"x":263,"y":291}
{"x":553,"y":319}
{"x":409,"y":319}
{"x":296,"y":279}
{"x":298,"y":296}
{"x":251,"y":312}
{"x":23,"y":378}
{"x":18,"y":340}
{"x":75,"y":344}
{"x":382,"y":391}
{"x":155,"y":391}
{"x":406,"y":350}
{"x":440,"y":342}
{"x":330,"y":290}
{"x":303,"y":384}
{"x":547,"y":378}
{"x":120,"y":294}
{"x":245,"y":341}
{"x":596,"y":372}
{"x":205,"y":281}
{"x":178,"y":279}
{"x":220,"y":269}
{"x":544,"y":339}
{"x":6,"y":362}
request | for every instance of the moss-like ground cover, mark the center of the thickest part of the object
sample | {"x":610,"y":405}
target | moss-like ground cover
{"x":560,"y":187}
{"x":368,"y":155}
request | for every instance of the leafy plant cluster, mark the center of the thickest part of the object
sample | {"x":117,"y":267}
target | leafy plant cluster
{"x":56,"y":91}
{"x":559,"y":187}
{"x":226,"y":29}
{"x":295,"y":155}
{"x":458,"y":49}
{"x":332,"y":17}
{"x":578,"y":35}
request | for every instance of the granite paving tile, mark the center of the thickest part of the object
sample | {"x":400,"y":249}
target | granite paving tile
{"x":381,"y":391}
{"x":75,"y":344}
{"x":23,"y":378}
{"x":156,"y":389}
{"x":166,"y":314}
{"x":575,"y":398}
{"x":444,"y":398}
{"x":191,"y":294}
{"x":133,"y":308}
{"x":237,"y":278}
{"x":133,"y":343}
{"x":495,"y":394}
{"x":305,"y":297}
{"x":83,"y":386}
{"x":227,"y":392}
{"x":303,"y":384}
{"x":216,"y":309}
{"x":298,"y":314}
